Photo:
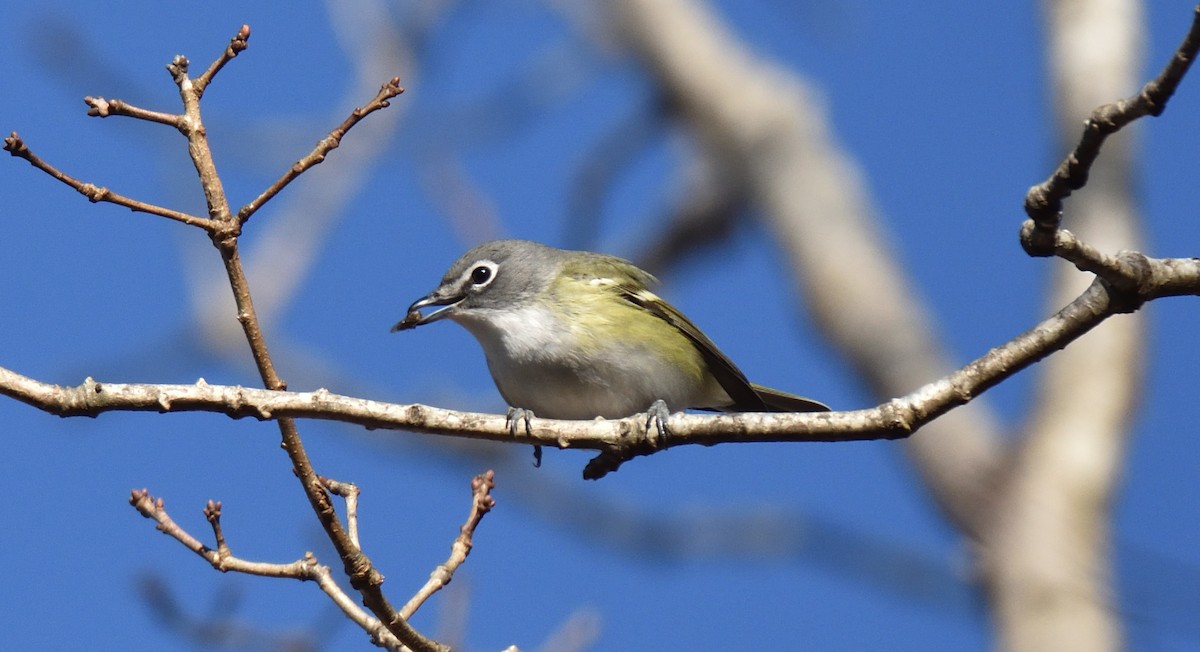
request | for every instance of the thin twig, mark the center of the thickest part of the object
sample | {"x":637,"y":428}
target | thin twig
{"x":1044,"y":202}
{"x":192,"y":127}
{"x":224,"y":232}
{"x":349,"y":492}
{"x":1125,"y":271}
{"x":14,"y":145}
{"x":481,"y":503}
{"x":102,"y":108}
{"x":306,"y":568}
{"x":363,"y":575}
{"x":238,"y":43}
{"x":212,"y":512}
{"x":327,"y":144}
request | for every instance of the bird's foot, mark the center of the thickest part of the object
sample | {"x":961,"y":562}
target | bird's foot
{"x":657,"y":415}
{"x":514,"y":418}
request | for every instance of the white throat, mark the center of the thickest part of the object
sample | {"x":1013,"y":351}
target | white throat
{"x":519,"y":335}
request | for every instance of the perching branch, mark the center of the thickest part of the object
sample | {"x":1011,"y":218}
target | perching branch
{"x":622,"y":439}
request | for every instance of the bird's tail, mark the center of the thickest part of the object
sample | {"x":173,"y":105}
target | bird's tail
{"x":777,"y":401}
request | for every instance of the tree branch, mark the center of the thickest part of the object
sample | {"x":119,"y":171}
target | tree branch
{"x":1044,"y":202}
{"x":224,"y":230}
{"x":15,"y":146}
{"x":98,"y":107}
{"x":363,"y":575}
{"x":481,"y":503}
{"x":239,"y":42}
{"x":327,"y":144}
{"x":222,"y":559}
{"x":622,"y":439}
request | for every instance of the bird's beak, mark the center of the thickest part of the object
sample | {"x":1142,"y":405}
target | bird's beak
{"x":438,"y":297}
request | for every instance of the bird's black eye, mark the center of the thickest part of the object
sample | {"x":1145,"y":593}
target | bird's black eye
{"x":481,"y":275}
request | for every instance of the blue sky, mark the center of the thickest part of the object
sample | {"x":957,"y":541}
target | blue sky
{"x":943,"y":104}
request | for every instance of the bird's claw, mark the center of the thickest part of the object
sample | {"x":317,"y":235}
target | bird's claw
{"x":515,"y":416}
{"x":657,"y":415}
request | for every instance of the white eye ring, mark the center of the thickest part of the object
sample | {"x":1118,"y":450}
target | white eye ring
{"x":482,"y":273}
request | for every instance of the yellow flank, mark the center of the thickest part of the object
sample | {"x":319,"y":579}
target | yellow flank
{"x":601,"y":318}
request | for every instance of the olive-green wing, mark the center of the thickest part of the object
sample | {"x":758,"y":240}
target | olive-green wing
{"x":747,"y":396}
{"x":632,"y":283}
{"x":731,"y":379}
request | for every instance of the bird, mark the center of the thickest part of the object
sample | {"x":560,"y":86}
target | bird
{"x":579,"y":335}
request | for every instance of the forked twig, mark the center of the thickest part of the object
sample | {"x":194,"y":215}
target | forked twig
{"x":1044,"y":202}
{"x":224,"y":229}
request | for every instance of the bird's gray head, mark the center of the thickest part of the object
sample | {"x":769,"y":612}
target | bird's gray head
{"x":495,"y":275}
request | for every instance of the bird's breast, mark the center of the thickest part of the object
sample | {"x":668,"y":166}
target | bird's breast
{"x":587,"y":365}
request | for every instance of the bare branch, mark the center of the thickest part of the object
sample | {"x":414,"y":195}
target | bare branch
{"x":288,"y":245}
{"x":14,"y":145}
{"x":192,"y":127}
{"x":362,"y":574}
{"x":349,"y":492}
{"x":223,"y":560}
{"x":224,"y":232}
{"x":1044,"y":202}
{"x":102,"y":108}
{"x":622,"y":439}
{"x":481,"y":503}
{"x":1120,"y":271}
{"x":327,"y":144}
{"x":238,"y":43}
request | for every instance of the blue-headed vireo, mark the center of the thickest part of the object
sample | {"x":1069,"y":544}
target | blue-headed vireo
{"x":578,"y":335}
